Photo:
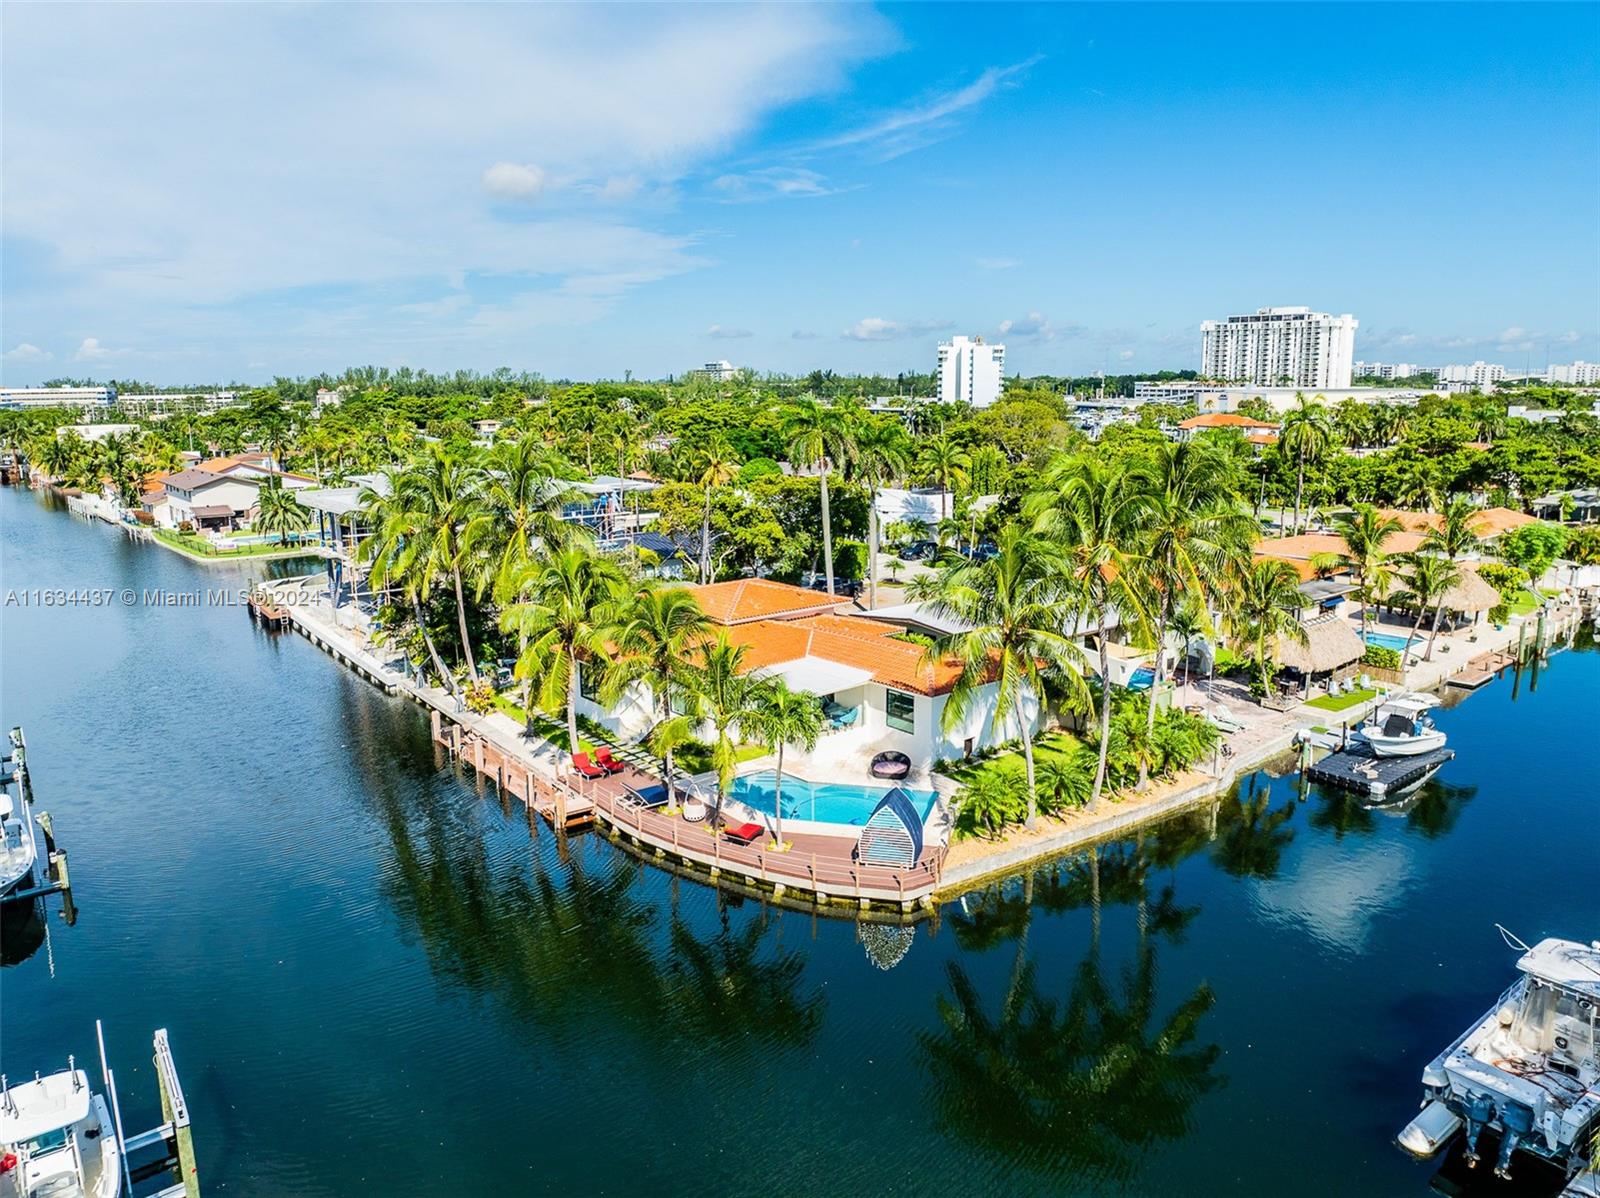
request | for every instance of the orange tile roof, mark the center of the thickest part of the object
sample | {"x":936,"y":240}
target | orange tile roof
{"x":849,"y":640}
{"x":223,"y":464}
{"x":1225,"y":420}
{"x":1489,"y":522}
{"x":741,"y":600}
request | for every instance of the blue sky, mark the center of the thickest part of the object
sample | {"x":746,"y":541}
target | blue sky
{"x":235,"y":192}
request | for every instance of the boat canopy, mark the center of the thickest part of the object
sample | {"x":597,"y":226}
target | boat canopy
{"x":30,"y":1110}
{"x":1565,"y":963}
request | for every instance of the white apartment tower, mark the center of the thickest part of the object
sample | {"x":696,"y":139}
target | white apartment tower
{"x":1292,"y":347}
{"x":971,"y":371}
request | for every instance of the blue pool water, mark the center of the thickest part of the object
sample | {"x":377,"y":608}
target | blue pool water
{"x":832,"y":803}
{"x":1389,"y":641}
{"x":1141,"y":679}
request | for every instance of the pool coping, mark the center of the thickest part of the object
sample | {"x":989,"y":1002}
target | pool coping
{"x":817,"y":827}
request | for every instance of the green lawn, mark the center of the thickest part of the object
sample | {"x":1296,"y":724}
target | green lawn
{"x":199,"y":546}
{"x":1341,"y":702}
{"x":1525,"y":602}
{"x":696,"y":758}
{"x":553,"y":731}
{"x":1048,"y":746}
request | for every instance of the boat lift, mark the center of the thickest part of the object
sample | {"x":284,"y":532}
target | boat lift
{"x":172,"y":1136}
{"x":50,"y":870}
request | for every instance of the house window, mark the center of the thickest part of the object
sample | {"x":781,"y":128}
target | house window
{"x":589,"y":683}
{"x":900,"y":711}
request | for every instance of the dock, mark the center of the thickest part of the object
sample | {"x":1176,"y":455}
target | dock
{"x":1481,"y":669}
{"x":562,"y":804}
{"x":265,"y":612}
{"x":1357,"y":768}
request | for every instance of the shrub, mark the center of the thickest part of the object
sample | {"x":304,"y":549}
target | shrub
{"x":994,"y":798}
{"x":480,"y":698}
{"x":849,"y":561}
{"x":757,"y":467}
{"x":1381,"y":656}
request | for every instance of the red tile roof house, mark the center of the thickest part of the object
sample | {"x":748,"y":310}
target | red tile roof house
{"x":877,"y":692}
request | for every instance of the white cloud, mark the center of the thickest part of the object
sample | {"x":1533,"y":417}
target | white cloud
{"x":919,"y":124}
{"x":723,"y":333}
{"x":1126,"y":355}
{"x":771,"y":183}
{"x":1033,"y":326}
{"x":24,"y":352}
{"x":997,"y":263}
{"x":511,"y":181}
{"x":876,"y":328}
{"x":90,"y":350}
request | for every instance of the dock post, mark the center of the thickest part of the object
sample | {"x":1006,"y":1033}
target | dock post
{"x":477,"y":754}
{"x":175,"y":1110}
{"x":433,"y":722}
{"x":527,"y":789}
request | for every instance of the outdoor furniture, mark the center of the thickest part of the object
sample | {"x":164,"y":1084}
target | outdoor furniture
{"x":581,"y":763}
{"x":842,"y":717}
{"x":648,"y":798}
{"x":742,"y":833}
{"x":694,"y":810}
{"x":1225,"y":719}
{"x":891,"y":765}
{"x":603,"y":758}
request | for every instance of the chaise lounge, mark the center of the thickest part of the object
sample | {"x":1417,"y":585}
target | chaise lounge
{"x":581,"y":763}
{"x":742,"y":833}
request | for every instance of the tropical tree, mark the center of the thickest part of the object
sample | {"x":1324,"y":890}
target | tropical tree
{"x":942,"y":458}
{"x":667,"y":737}
{"x":882,"y":454}
{"x":729,"y":697}
{"x":1365,"y":531}
{"x":1428,"y":578}
{"x":523,"y":498}
{"x":782,"y":718}
{"x":1307,"y":433}
{"x":564,"y":607}
{"x":1098,"y":512}
{"x":656,"y":631}
{"x":716,"y":466}
{"x":820,"y":435}
{"x":278,"y":511}
{"x":1266,"y":605}
{"x":399,"y":556}
{"x":1196,"y":529}
{"x":1456,"y":535}
{"x":58,"y":455}
{"x":1016,"y":634}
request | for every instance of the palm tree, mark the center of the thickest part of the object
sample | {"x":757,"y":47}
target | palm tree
{"x":1428,"y":578}
{"x":666,"y":738}
{"x":565,"y":605}
{"x":784,"y":717}
{"x":942,"y":458}
{"x":58,"y":455}
{"x":1456,"y":536}
{"x":1307,"y":434}
{"x":1196,"y":527}
{"x":1365,"y":531}
{"x":728,"y":696}
{"x":445,"y":494}
{"x":398,"y":552}
{"x":1266,"y":605}
{"x":278,"y":511}
{"x":1099,"y":513}
{"x":521,"y":512}
{"x":882,"y":455}
{"x":1017,"y":635}
{"x":715,"y":466}
{"x":818,"y":435}
{"x":655,"y":632}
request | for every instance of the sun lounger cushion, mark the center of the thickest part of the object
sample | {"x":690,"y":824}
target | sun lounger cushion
{"x":743,"y":833}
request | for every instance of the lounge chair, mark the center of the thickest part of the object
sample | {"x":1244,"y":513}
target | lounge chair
{"x":581,"y":763}
{"x":649,"y":797}
{"x":743,"y":833}
{"x":603,"y":758}
{"x":1224,"y":719}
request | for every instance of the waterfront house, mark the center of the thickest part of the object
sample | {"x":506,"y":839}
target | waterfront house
{"x":869,"y":674}
{"x":1259,"y":433}
{"x":257,"y":466}
{"x":207,"y":501}
{"x":341,"y":526}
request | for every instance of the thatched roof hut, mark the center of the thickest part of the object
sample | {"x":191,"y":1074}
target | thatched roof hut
{"x":1471,"y":595}
{"x":1330,"y":644}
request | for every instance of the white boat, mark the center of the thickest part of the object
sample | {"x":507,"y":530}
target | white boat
{"x":1528,"y":1070}
{"x":57,"y":1139}
{"x":19,"y":844}
{"x":1400,"y":727}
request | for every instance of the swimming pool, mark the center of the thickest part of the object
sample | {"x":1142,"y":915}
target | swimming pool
{"x":1389,"y":641}
{"x":829,"y":802}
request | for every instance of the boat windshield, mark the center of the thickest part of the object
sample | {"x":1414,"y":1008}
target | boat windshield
{"x":48,"y":1142}
{"x":1558,"y":1023}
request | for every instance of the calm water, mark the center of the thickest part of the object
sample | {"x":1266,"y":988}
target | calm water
{"x":379,"y":981}
{"x":831,"y":803}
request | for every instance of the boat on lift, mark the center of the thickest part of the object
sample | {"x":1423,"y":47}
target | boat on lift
{"x":1528,"y":1071}
{"x":57,"y":1139}
{"x":1400,"y":727}
{"x":19,"y":837}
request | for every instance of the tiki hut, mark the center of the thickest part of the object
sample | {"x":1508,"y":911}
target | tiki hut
{"x":1471,"y":595}
{"x":1331,"y":645}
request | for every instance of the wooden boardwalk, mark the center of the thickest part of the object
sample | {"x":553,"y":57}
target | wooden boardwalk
{"x":816,"y":868}
{"x":1481,"y":669}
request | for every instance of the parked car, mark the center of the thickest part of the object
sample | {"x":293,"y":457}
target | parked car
{"x":918,"y":551}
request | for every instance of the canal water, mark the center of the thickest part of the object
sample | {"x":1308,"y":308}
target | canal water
{"x":379,"y":980}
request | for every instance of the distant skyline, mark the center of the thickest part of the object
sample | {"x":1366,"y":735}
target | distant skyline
{"x":235,"y":192}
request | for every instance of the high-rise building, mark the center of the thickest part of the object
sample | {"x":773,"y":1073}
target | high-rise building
{"x":971,"y":371}
{"x":1385,"y":370}
{"x":1479,"y":374}
{"x":1291,"y":347}
{"x":721,"y":371}
{"x":1585,"y":373}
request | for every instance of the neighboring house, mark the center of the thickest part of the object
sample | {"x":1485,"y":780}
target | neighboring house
{"x":919,"y":505}
{"x":207,"y":501}
{"x":1258,"y":432}
{"x":869,"y":674}
{"x":255,"y":466}
{"x":1488,"y":523}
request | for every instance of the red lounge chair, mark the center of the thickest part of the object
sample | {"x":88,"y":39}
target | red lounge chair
{"x":603,"y":758}
{"x":742,"y":833}
{"x":581,"y":763}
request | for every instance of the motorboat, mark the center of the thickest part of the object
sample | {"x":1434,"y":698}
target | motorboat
{"x":57,"y":1139}
{"x":61,"y":1138}
{"x":1528,"y":1071}
{"x":19,"y":844}
{"x":1400,"y":727}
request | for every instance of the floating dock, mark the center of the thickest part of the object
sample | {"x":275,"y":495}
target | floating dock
{"x":1359,"y":769}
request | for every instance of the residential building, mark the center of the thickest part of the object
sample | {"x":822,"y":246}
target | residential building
{"x":1580,"y":373}
{"x":206,"y":501}
{"x":721,"y":371}
{"x":1176,"y":391}
{"x":1479,"y":374}
{"x":1385,"y":370}
{"x":1259,"y":433}
{"x":971,"y":371}
{"x":96,"y":432}
{"x":1544,"y":415}
{"x":57,"y":397}
{"x":1280,"y":346}
{"x":161,"y":403}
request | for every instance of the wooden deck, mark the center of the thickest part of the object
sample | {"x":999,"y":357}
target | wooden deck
{"x":1482,"y":669}
{"x":816,"y":868}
